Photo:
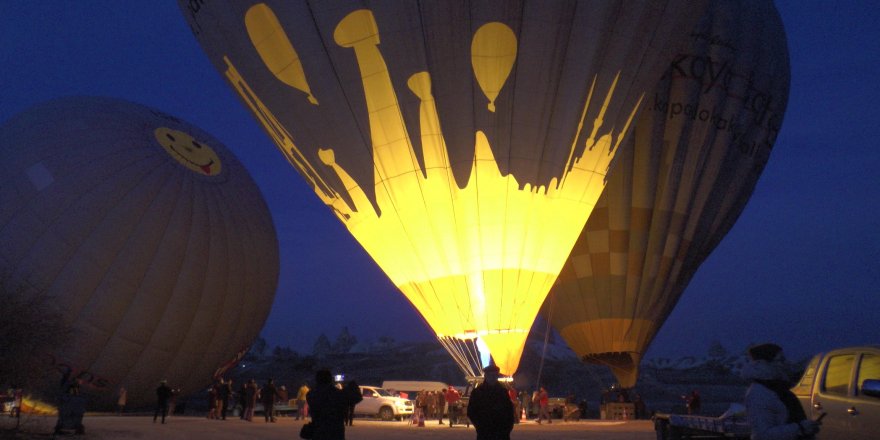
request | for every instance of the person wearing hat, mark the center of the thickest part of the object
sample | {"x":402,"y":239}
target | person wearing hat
{"x":328,"y":406}
{"x":490,"y":408}
{"x":773,"y":411}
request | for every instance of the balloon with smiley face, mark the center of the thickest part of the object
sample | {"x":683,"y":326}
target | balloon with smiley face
{"x":148,"y":235}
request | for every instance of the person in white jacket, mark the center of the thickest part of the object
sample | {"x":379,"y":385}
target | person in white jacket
{"x":773,"y":411}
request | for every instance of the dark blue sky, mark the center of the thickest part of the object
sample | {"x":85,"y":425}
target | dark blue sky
{"x":801,"y":266}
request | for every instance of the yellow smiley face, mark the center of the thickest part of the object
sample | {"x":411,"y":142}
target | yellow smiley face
{"x":195,"y":155}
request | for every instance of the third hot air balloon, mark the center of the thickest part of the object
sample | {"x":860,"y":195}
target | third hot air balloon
{"x":698,"y":150}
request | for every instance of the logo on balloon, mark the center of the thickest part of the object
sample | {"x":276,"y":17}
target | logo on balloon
{"x":191,"y":153}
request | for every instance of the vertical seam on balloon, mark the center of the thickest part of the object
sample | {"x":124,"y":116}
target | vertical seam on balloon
{"x":168,"y":180}
{"x":157,"y":168}
{"x":232,"y":274}
{"x":134,"y":362}
{"x":427,"y":208}
{"x":462,"y":311}
{"x":185,"y":334}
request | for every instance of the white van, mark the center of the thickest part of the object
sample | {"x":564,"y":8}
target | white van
{"x":412,"y":387}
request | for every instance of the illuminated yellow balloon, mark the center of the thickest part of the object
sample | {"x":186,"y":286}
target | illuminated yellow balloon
{"x":470,"y":210}
{"x":698,"y":150}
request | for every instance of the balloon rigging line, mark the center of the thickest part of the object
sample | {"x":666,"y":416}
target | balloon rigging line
{"x":459,"y":355}
{"x":546,"y":339}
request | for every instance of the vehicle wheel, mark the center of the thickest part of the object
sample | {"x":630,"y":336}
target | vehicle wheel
{"x":386,"y":414}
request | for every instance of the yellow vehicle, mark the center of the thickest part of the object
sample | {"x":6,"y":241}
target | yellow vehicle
{"x":844,"y":384}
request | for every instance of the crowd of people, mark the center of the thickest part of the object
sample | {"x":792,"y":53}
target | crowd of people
{"x":435,"y":404}
{"x":493,"y":408}
{"x":223,"y":397}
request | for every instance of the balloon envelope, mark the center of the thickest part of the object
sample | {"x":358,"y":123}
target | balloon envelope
{"x":147,"y":233}
{"x":697,"y":152}
{"x":462,"y":144}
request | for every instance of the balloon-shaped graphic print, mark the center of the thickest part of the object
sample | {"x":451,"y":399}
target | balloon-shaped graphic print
{"x":493,"y":52}
{"x":275,"y":50}
{"x":462,"y":144}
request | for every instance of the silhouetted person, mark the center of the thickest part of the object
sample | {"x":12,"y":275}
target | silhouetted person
{"x":639,"y":407}
{"x":694,"y":403}
{"x":213,"y":401}
{"x":268,"y":395}
{"x":582,"y":406}
{"x":121,"y":399}
{"x":282,"y":399}
{"x":514,"y":400}
{"x":250,"y":399}
{"x":70,"y":409}
{"x":353,"y":396}
{"x":172,"y":402}
{"x":223,"y":395}
{"x":490,"y":408}
{"x":452,"y":397}
{"x":242,"y":399}
{"x":543,"y":405}
{"x":163,"y":395}
{"x":301,"y":409}
{"x":327,"y":406}
{"x":774,"y":412}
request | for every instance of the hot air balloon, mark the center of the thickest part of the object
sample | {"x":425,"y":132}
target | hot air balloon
{"x":698,"y":150}
{"x":150,"y":237}
{"x":463,"y":144}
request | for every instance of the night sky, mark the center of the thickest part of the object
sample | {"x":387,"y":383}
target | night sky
{"x":801,"y":266}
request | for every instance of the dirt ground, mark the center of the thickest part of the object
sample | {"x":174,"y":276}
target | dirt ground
{"x":142,"y":427}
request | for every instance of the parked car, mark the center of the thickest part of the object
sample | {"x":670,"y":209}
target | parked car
{"x":380,"y":403}
{"x":844,"y":384}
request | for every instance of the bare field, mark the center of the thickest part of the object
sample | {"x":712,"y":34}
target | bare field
{"x":142,"y":427}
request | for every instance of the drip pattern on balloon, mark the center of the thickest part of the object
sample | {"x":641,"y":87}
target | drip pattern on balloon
{"x":475,"y":261}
